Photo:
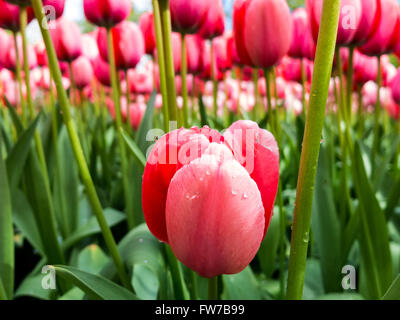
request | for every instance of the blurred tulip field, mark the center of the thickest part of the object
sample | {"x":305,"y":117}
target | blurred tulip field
{"x":203,"y":150}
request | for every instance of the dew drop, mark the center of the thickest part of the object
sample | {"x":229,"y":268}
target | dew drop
{"x":187,"y":196}
{"x":208,"y":173}
{"x":234,"y":192}
{"x":140,"y":240}
{"x":201,"y":178}
{"x":145,"y":261}
{"x":245,"y":196}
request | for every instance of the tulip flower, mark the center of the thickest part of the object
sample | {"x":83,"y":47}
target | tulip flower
{"x":67,"y":40}
{"x":370,"y":16}
{"x":89,"y":46}
{"x":128,"y":42}
{"x":146,"y":24}
{"x":188,"y":16}
{"x":9,"y":16}
{"x":214,"y":22}
{"x":106,"y":13}
{"x":349,"y":21}
{"x":195,"y":183}
{"x":82,"y":72}
{"x":260,"y":42}
{"x":193,"y":48}
{"x":101,"y":71}
{"x":140,"y":82}
{"x":385,"y":37}
{"x":303,"y":45}
{"x":396,"y":87}
{"x":8,"y":56}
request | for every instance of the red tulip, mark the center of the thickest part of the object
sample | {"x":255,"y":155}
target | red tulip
{"x":260,"y":39}
{"x":187,"y":175}
{"x":214,"y":22}
{"x":55,"y":7}
{"x":386,"y":36}
{"x":396,"y":87}
{"x":82,"y":71}
{"x":106,"y":13}
{"x":41,"y":54}
{"x":232,"y":50}
{"x":222,"y":57}
{"x":291,"y":69}
{"x":187,"y":16}
{"x":128,"y":44}
{"x":146,"y":24}
{"x":239,"y":13}
{"x":67,"y":40}
{"x":9,"y":16}
{"x":140,"y":82}
{"x":101,"y":71}
{"x":303,"y":45}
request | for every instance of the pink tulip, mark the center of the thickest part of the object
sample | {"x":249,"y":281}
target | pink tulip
{"x":349,"y":20}
{"x":193,"y":49}
{"x":261,"y":40}
{"x":396,"y":87}
{"x":41,"y":54}
{"x":83,"y":72}
{"x":146,"y":24}
{"x":136,"y":111}
{"x":55,"y":7}
{"x":128,"y":44}
{"x":106,"y":13}
{"x":214,"y":23}
{"x":370,"y":16}
{"x":303,"y":45}
{"x":140,"y":82}
{"x":89,"y":45}
{"x":8,"y":56}
{"x":385,"y":37}
{"x":222,"y":56}
{"x":67,"y":40}
{"x":187,"y":16}
{"x":239,"y":13}
{"x":291,"y":69}
{"x":101,"y":71}
{"x":232,"y":50}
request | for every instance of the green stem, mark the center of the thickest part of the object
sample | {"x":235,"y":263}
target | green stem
{"x":282,"y":240}
{"x":375,"y":146}
{"x":161,"y":63}
{"x":256,"y":94}
{"x":3,"y":295}
{"x":269,"y":99}
{"x":19,"y":80}
{"x":118,"y":122}
{"x":176,"y":272}
{"x":349,"y":95}
{"x":193,"y":285}
{"x":169,"y":59}
{"x":128,"y":102}
{"x":311,"y":146}
{"x":76,"y":146}
{"x":213,"y":288}
{"x":184,"y":83}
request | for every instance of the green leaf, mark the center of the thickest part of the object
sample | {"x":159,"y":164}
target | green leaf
{"x":113,"y":218}
{"x":96,"y":287}
{"x":325,"y":224}
{"x":145,"y":282}
{"x":138,"y":155}
{"x":19,"y":153}
{"x":340,"y":296}
{"x":146,"y":125}
{"x":241,"y":286}
{"x":6,"y":231}
{"x":15,"y":117}
{"x":92,"y":259}
{"x":203,"y":112}
{"x":393,"y":292}
{"x":269,"y":247}
{"x":373,"y":238}
{"x":32,"y":287}
{"x":24,"y":219}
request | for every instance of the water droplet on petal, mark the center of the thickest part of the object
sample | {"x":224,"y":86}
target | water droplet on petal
{"x":245,"y":196}
{"x":187,"y":196}
{"x":208,"y":173}
{"x":234,"y":192}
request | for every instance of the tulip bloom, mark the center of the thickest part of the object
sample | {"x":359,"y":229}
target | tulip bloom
{"x":209,"y":199}
{"x":106,"y":13}
{"x":187,"y":16}
{"x":260,"y":42}
{"x":396,"y":87}
{"x":193,"y":48}
{"x":128,"y":44}
{"x":82,"y":71}
{"x":9,"y":16}
{"x":67,"y":40}
{"x":386,"y":36}
{"x":214,"y":22}
{"x":101,"y":71}
{"x":146,"y":24}
{"x":349,"y":20}
{"x":303,"y":45}
{"x":370,"y":16}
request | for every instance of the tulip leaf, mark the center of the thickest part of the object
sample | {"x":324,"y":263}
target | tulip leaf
{"x":96,"y":287}
{"x":113,"y":218}
{"x":6,"y":232}
{"x":145,"y":282}
{"x":340,"y":296}
{"x":393,"y":293}
{"x":138,"y":155}
{"x":325,"y":224}
{"x":18,"y":155}
{"x":373,"y":237}
{"x":241,"y":286}
{"x":14,"y":117}
{"x":31,"y":286}
{"x":92,"y":259}
{"x":203,"y":113}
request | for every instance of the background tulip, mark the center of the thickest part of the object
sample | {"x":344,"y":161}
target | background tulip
{"x":67,"y":40}
{"x":9,"y":16}
{"x":188,"y":16}
{"x":128,"y":44}
{"x":82,"y":71}
{"x":214,"y":22}
{"x":370,"y":16}
{"x":106,"y":13}
{"x":146,"y":24}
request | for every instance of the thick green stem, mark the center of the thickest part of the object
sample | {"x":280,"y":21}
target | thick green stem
{"x":256,"y":94}
{"x":303,"y":85}
{"x":213,"y":288}
{"x":269,"y":100}
{"x":176,"y":272}
{"x":169,"y":60}
{"x":161,"y":63}
{"x":311,"y":146}
{"x":121,"y":143}
{"x":377,"y":117}
{"x":193,"y":285}
{"x":349,"y":95}
{"x":76,"y":146}
{"x":184,"y":83}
